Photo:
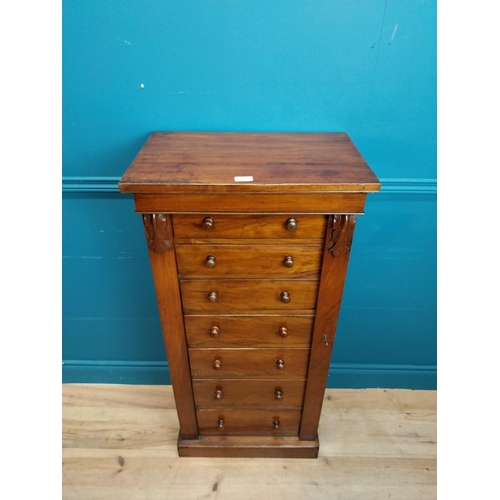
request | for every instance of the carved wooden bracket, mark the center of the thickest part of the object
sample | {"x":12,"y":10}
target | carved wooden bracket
{"x":340,"y":233}
{"x":156,"y":232}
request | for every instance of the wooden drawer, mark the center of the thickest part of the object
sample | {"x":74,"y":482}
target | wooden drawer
{"x":248,"y":422}
{"x":233,"y":295}
{"x":249,"y":226}
{"x":249,"y":331}
{"x":226,"y":393}
{"x":280,"y":364}
{"x":278,"y":261}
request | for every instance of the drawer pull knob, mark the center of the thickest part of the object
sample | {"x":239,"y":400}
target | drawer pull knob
{"x":280,"y":364}
{"x":212,"y":297}
{"x":291,"y":224}
{"x":288,"y":261}
{"x":276,"y":424}
{"x":207,"y":224}
{"x":210,"y":262}
{"x":283,"y":332}
{"x":214,"y":331}
{"x":218,"y":394}
{"x":221,"y":424}
{"x":217,"y":364}
{"x":285,"y":297}
{"x":278,"y":395}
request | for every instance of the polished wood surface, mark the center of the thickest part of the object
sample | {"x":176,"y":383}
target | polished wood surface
{"x":279,"y":364}
{"x":187,"y":161}
{"x":163,"y":265}
{"x":120,"y":441}
{"x":260,"y":226}
{"x":249,"y":331}
{"x":253,"y":227}
{"x":256,"y":261}
{"x":248,"y":295}
{"x":230,"y":393}
{"x":335,"y":260}
{"x":231,"y":422}
{"x":257,"y":203}
{"x":248,"y":447}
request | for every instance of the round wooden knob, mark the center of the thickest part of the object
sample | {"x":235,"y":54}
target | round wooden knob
{"x":210,"y":262}
{"x":276,"y":424}
{"x":217,"y":364}
{"x":291,"y":224}
{"x":214,"y":331}
{"x":221,"y":424}
{"x":278,"y":395}
{"x":280,"y":364}
{"x":212,"y":297}
{"x":207,"y":224}
{"x":285,"y":297}
{"x":288,"y":261}
{"x":218,"y":394}
{"x":283,"y":332}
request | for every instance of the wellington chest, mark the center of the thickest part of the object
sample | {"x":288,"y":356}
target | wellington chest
{"x":249,"y":236}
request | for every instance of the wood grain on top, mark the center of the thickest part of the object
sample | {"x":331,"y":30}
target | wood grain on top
{"x":185,"y":161}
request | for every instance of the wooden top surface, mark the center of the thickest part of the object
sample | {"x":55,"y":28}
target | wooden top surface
{"x":189,"y":162}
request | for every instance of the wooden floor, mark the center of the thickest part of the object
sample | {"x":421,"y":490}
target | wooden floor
{"x":119,"y":442}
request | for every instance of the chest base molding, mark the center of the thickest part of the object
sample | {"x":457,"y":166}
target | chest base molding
{"x":248,"y":447}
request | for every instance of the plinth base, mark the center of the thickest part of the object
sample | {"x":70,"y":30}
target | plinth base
{"x":248,"y":446}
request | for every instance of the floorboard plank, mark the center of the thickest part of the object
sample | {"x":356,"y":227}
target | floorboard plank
{"x":120,"y":442}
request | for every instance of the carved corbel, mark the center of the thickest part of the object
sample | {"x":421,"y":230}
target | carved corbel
{"x":157,"y":232}
{"x":340,"y":233}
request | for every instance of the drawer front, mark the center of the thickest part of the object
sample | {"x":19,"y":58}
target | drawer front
{"x":249,"y":331}
{"x":226,"y":393}
{"x":279,"y":364}
{"x":279,"y":261}
{"x":248,"y":295}
{"x":248,"y":422}
{"x":250,"y":226}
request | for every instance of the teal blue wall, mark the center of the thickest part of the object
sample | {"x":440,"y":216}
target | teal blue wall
{"x":367,"y":67}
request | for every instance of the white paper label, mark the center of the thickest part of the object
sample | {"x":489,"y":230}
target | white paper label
{"x":243,"y":178}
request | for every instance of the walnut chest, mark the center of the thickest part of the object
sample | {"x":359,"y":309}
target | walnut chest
{"x":249,"y":237}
